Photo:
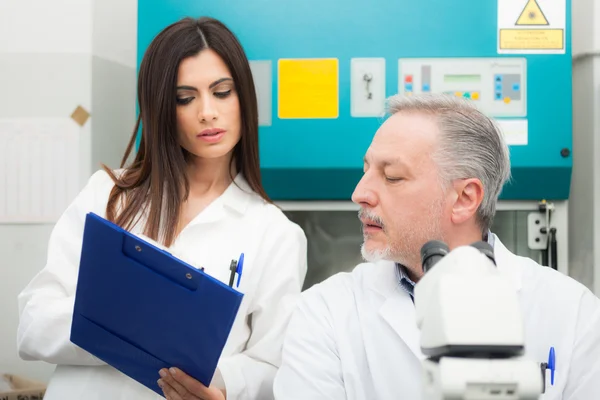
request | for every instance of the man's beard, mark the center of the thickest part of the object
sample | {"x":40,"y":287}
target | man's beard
{"x":375,"y":255}
{"x":407,"y":250}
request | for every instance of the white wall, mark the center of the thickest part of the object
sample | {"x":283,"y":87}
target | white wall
{"x":584,"y":205}
{"x":54,"y":56}
{"x":114,"y":44}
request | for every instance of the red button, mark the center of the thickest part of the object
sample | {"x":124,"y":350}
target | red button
{"x":408,"y":79}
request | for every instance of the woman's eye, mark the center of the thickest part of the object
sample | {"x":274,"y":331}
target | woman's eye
{"x":223,"y":94}
{"x":184,"y":101}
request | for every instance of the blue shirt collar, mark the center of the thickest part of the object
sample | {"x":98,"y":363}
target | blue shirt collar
{"x":408,"y":285}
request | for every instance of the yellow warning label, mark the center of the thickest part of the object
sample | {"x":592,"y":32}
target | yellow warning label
{"x":532,"y":15}
{"x":308,"y":88}
{"x":531,"y":39}
{"x":532,"y":26}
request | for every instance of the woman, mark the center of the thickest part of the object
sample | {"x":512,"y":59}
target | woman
{"x":194,"y":187}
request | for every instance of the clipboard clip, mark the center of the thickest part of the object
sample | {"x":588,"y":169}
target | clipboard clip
{"x":236,"y":267}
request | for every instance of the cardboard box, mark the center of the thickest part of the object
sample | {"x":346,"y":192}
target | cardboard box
{"x":22,"y":388}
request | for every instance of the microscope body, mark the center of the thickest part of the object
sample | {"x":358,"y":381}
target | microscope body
{"x":472,"y":332}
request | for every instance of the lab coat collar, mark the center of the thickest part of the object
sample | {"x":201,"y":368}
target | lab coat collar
{"x":397,"y":308}
{"x":236,"y":197}
{"x":508,"y":263}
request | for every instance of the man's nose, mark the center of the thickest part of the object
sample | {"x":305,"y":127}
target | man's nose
{"x":363,"y":194}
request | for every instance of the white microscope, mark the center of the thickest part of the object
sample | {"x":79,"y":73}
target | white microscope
{"x":471,"y":328}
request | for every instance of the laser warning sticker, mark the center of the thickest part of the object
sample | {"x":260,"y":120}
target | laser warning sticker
{"x":531,"y":26}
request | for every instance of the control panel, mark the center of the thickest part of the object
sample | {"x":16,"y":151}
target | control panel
{"x":496,"y":85}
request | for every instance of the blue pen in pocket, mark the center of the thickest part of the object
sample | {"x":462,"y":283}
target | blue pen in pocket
{"x":236,"y":267}
{"x":239,"y":269}
{"x":550,"y":365}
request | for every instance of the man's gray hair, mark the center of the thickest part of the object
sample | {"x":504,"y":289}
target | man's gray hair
{"x":471,"y":145}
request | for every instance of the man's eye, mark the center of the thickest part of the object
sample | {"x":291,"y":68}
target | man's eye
{"x":392,"y":179}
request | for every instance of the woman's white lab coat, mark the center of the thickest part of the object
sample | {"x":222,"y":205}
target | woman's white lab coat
{"x":355,"y":335}
{"x":238,"y":221}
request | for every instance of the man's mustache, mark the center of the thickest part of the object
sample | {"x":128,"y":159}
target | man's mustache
{"x":366,"y":214}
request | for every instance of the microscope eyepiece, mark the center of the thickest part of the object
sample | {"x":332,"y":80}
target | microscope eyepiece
{"x":432,"y":252}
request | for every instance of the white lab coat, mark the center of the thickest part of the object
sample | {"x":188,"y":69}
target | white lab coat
{"x":238,"y":221}
{"x":355,"y":337}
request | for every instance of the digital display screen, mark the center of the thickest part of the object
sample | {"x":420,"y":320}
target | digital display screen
{"x":462,"y":78}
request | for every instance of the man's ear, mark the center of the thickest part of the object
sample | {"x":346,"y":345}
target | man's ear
{"x":469,"y":197}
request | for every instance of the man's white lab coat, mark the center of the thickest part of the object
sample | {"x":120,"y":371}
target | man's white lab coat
{"x":238,"y":221}
{"x":355,"y":337}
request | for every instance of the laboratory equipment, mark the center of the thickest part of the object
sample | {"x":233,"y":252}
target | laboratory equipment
{"x":322,"y":78}
{"x":497,"y":85}
{"x":474,"y":349}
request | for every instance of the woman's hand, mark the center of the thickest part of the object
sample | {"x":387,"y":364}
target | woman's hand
{"x":177,"y":385}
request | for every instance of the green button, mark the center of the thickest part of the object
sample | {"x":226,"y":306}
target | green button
{"x":467,"y":95}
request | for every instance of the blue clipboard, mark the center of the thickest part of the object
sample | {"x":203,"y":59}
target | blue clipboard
{"x":140,"y":309}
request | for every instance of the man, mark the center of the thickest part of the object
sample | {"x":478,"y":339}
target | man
{"x":434,"y":170}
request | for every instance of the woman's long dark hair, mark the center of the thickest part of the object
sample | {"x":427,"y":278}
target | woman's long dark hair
{"x":155,"y":184}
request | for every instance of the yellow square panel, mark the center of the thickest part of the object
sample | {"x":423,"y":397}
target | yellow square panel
{"x":308,"y":88}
